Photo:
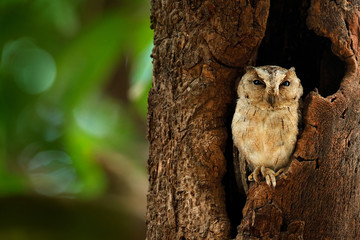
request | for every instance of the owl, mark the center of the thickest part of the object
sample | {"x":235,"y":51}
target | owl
{"x":266,"y":121}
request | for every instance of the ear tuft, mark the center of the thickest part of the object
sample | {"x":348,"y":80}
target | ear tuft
{"x":248,"y":68}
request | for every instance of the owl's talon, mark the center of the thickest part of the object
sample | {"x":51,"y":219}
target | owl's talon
{"x":254,"y":176}
{"x":267,"y":180}
{"x":273,"y":180}
{"x":269,"y":175}
{"x":280,"y":171}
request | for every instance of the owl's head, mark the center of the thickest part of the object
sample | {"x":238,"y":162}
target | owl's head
{"x":270,"y":87}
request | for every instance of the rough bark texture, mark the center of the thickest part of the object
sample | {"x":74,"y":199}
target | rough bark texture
{"x":200,"y":47}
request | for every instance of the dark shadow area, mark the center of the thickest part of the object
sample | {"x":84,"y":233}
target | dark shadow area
{"x":235,"y":199}
{"x":289,"y":43}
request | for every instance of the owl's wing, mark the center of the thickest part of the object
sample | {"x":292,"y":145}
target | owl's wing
{"x":240,"y":170}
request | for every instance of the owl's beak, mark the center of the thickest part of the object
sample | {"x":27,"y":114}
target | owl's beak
{"x":271,"y":99}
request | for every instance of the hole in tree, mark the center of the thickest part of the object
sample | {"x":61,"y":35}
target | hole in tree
{"x":288,"y":42}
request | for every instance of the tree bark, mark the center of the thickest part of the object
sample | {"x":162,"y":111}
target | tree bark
{"x":200,"y":48}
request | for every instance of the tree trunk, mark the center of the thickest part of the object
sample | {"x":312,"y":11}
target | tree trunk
{"x":200,"y":48}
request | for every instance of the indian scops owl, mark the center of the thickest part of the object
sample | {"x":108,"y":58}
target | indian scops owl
{"x":266,"y":120}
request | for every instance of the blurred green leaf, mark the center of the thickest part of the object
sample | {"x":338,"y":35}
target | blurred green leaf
{"x":32,"y":68}
{"x":87,"y":62}
{"x":141,"y":75}
{"x":79,"y":146}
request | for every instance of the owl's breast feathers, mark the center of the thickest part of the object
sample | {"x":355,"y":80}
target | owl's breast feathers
{"x":266,"y":137}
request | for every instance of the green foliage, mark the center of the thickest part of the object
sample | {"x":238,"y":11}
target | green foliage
{"x":58,"y":121}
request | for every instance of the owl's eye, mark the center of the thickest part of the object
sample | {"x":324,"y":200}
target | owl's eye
{"x":257,"y":82}
{"x":286,"y":84}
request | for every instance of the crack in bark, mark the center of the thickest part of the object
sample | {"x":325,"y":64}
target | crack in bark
{"x":351,"y":40}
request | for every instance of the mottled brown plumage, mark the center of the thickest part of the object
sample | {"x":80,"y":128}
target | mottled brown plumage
{"x":265,"y":123}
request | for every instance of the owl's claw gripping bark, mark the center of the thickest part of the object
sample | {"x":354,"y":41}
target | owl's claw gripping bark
{"x":279,"y":172}
{"x":254,"y":176}
{"x":267,"y":173}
